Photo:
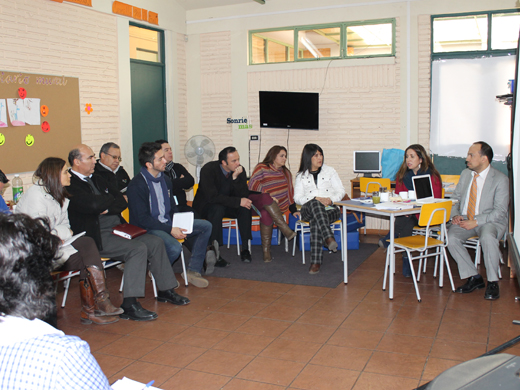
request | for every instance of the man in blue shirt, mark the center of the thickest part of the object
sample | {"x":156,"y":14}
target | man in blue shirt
{"x":3,"y":181}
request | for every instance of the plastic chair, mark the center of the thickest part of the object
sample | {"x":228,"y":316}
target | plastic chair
{"x":371,"y":184}
{"x":65,"y":277}
{"x":431,"y":214}
{"x":303,"y":227}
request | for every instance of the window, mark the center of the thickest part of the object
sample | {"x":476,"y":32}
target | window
{"x":504,"y":30}
{"x":144,"y":44}
{"x":332,"y":41}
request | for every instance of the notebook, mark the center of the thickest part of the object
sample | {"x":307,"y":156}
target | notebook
{"x":422,"y":185}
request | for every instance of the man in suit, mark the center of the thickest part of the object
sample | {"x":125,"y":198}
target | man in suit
{"x":223,"y":193}
{"x":109,"y":166}
{"x":483,"y":195}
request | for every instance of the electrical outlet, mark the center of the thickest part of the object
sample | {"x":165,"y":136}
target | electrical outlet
{"x":254,"y":138}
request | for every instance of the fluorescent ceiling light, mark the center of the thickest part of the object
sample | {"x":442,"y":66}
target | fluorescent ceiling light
{"x":310,"y":46}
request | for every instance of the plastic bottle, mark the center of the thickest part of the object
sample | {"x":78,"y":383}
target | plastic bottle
{"x":17,"y":185}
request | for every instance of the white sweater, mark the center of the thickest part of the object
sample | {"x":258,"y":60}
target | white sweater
{"x":329,"y":186}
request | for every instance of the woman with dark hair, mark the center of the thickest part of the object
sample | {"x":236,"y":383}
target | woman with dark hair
{"x":317,"y":187}
{"x":416,"y":162}
{"x":272,"y":182}
{"x":47,"y":198}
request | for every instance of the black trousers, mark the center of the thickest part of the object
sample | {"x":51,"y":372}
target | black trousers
{"x":214,"y":214}
{"x":87,"y":255}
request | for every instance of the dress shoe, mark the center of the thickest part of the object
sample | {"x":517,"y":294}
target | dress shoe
{"x":196,"y":279}
{"x":136,"y":312}
{"x":210,"y":260}
{"x":221,"y":263}
{"x":172,"y":297}
{"x":331,"y":244}
{"x":492,"y":291}
{"x":314,"y":268}
{"x":245,"y":255}
{"x":473,"y":283}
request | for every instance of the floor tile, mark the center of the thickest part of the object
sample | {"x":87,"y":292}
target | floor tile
{"x":222,"y":321}
{"x":111,"y":364}
{"x":243,"y":308}
{"x":309,"y":333}
{"x":457,"y":350}
{"x":371,"y":381}
{"x":315,"y":377}
{"x":296,"y":351}
{"x":241,"y":384}
{"x":342,"y":357}
{"x":436,"y":366}
{"x":274,"y":371}
{"x":195,"y":380}
{"x":220,"y":362}
{"x":130,"y":347}
{"x":412,"y":345}
{"x":413,"y":328}
{"x":356,"y":338}
{"x":264,"y":327}
{"x":322,"y":317}
{"x":145,"y":372}
{"x":174,"y":355}
{"x":199,"y":337}
{"x":244,"y":343}
{"x":159,"y":330}
{"x":410,"y":366}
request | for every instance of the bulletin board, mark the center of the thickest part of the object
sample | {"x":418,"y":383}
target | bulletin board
{"x":39,"y":118}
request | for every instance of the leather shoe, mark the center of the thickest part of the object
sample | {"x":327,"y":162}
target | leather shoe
{"x":137,"y":313}
{"x":314,"y":268}
{"x":221,"y":263}
{"x":473,"y":283}
{"x":492,"y":291}
{"x":331,"y":244}
{"x":210,"y":260}
{"x":172,"y":297}
{"x":245,"y":255}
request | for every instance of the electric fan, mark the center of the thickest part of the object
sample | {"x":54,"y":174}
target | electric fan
{"x":199,"y":150}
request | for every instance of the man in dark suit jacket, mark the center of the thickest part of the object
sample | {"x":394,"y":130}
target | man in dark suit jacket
{"x":223,"y":193}
{"x":109,"y":166}
{"x":483,"y":214}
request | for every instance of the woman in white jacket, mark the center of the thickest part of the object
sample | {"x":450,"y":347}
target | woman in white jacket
{"x":316,"y":188}
{"x":47,"y":198}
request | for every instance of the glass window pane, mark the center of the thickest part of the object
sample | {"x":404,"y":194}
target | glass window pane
{"x":369,"y":40}
{"x":144,"y":44}
{"x":504,"y":30}
{"x":273,"y":46}
{"x":319,"y":42}
{"x":461,"y":33}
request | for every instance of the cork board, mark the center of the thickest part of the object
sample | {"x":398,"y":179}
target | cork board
{"x":39,"y":118}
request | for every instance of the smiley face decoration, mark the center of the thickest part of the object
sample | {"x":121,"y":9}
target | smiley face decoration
{"x":29,"y":140}
{"x":22,"y":93}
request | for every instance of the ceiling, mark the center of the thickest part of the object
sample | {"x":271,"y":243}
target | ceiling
{"x":189,"y":5}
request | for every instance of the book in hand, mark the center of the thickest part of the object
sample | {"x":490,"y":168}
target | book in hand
{"x":72,"y":239}
{"x":128,"y":231}
{"x":184,"y":221}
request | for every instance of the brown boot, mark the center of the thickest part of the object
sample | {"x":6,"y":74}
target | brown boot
{"x":266,"y":232}
{"x":277,"y":216}
{"x":104,"y":307}
{"x":87,"y":311}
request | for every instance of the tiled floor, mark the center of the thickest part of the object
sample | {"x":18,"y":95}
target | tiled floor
{"x":240,"y":334}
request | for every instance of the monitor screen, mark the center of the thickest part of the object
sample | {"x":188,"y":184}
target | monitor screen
{"x":289,"y":110}
{"x":367,"y":161}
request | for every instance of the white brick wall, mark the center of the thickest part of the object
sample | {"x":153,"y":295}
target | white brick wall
{"x":424,"y":41}
{"x":182,"y":100}
{"x":42,"y":36}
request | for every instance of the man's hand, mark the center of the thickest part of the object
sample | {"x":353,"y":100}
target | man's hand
{"x":178,"y":233}
{"x":468,"y":225}
{"x":245,"y":202}
{"x":237,"y":172}
{"x":457,"y":220}
{"x":324,"y":201}
{"x":104,"y":212}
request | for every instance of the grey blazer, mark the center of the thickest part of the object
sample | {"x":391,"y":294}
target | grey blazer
{"x":494,"y":200}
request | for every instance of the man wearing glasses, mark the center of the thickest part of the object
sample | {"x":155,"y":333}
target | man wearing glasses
{"x":108,"y":166}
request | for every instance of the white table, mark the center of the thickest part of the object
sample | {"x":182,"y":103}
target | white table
{"x":371,"y":209}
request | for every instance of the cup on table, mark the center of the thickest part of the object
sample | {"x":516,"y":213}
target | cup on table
{"x":411,"y":195}
{"x":375,"y":197}
{"x":403,"y":195}
{"x":384,"y":196}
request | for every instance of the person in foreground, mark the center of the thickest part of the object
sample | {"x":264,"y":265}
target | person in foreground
{"x":151,"y":208}
{"x":95,"y":207}
{"x":34,"y":354}
{"x":223,"y":193}
{"x":275,"y":196}
{"x":317,"y":187}
{"x":483,"y":195}
{"x":47,"y":198}
{"x":3,"y":181}
{"x":416,"y":162}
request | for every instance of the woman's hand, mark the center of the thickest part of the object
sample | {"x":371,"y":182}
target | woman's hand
{"x":324,"y":201}
{"x":276,"y":200}
{"x":297,"y":215}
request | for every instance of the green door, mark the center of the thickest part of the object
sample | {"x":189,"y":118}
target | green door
{"x":148,"y":105}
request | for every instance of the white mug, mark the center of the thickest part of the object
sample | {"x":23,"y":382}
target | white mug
{"x":385,"y":196}
{"x":411,"y":195}
{"x":403,"y":195}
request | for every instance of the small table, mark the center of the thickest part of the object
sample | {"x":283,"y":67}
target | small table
{"x":371,"y":209}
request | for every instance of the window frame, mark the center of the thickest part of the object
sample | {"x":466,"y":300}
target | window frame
{"x":160,"y":46}
{"x":343,"y":42}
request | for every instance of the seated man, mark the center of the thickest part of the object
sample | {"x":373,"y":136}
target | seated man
{"x":152,"y":208}
{"x":36,"y":355}
{"x":95,"y":207}
{"x":223,"y":193}
{"x":108,"y":167}
{"x":483,"y":195}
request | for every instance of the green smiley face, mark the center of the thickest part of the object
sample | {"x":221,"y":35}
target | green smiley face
{"x":29,"y":140}
{"x":2,"y":139}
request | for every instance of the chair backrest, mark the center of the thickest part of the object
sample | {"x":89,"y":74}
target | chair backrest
{"x":195,"y":188}
{"x":126,"y":214}
{"x":371,"y":184}
{"x":439,"y":213}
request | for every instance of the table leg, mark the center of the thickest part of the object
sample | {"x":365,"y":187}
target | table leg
{"x":392,"y":258}
{"x":344,"y":248}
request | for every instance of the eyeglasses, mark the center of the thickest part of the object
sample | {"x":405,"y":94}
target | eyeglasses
{"x":115,"y":157}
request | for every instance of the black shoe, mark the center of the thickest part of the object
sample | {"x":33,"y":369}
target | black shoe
{"x":172,"y":297}
{"x":221,"y":263}
{"x":383,"y":243}
{"x":492,"y":291}
{"x":473,"y":283}
{"x":245,"y":255}
{"x":137,"y":313}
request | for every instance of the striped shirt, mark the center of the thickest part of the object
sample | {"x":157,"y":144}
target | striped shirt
{"x":275,"y":182}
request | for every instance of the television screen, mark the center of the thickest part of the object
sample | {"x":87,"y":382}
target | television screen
{"x":367,"y":162}
{"x":289,"y":110}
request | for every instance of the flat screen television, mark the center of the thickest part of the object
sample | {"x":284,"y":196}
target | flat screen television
{"x":289,"y":110}
{"x":367,"y":162}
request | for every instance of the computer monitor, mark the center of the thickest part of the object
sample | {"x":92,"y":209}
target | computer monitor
{"x":367,"y":162}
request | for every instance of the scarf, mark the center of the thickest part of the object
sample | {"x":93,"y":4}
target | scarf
{"x":407,"y":178}
{"x":154,"y":205}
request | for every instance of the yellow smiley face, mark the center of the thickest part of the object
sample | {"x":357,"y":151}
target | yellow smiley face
{"x":2,"y":139}
{"x":29,"y":140}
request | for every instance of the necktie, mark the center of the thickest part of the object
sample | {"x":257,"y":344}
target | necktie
{"x":472,"y":198}
{"x":92,"y":185}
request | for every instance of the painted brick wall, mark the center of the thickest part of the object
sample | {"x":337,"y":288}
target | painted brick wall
{"x":41,"y":36}
{"x":182,"y":100}
{"x":424,"y":38}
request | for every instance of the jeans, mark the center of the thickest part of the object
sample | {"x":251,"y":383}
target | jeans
{"x":201,"y":233}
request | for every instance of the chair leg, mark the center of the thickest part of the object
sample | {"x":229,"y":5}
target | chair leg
{"x":238,"y":237}
{"x":387,"y":269}
{"x":448,"y":269}
{"x":122,"y":283}
{"x":294,"y":247}
{"x":303,"y":245}
{"x":66,"y":285}
{"x":441,"y":270}
{"x":414,"y":279}
{"x":183,"y":269}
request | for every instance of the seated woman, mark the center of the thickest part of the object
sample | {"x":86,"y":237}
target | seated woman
{"x":273,"y":181}
{"x":416,"y":162}
{"x":48,"y":199}
{"x":317,"y":187}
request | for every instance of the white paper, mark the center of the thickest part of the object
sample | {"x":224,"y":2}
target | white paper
{"x":183,"y":221}
{"x":16,"y":112}
{"x":3,"y":113}
{"x":72,"y":239}
{"x":395,"y":206}
{"x":32,"y":111}
{"x":129,"y":384}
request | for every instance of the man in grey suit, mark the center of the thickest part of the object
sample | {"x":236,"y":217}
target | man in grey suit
{"x":483,"y":195}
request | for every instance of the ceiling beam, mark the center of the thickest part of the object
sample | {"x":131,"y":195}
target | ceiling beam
{"x":260,"y":1}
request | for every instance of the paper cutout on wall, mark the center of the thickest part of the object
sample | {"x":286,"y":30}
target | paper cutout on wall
{"x":2,"y":139}
{"x":44,"y":110}
{"x":3,"y":113}
{"x":29,"y":140}
{"x":32,"y":111}
{"x":16,"y":112}
{"x":22,"y":93}
{"x":46,"y":127}
{"x":88,"y":108}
